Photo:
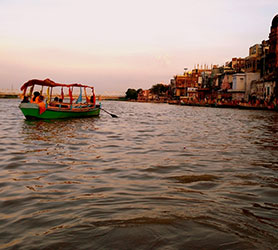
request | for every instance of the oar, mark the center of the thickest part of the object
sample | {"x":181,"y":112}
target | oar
{"x":114,"y":116}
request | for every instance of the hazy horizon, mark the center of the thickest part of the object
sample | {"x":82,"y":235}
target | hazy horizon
{"x":116,"y":45}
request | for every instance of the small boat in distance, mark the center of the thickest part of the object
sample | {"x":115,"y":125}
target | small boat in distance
{"x":40,"y":106}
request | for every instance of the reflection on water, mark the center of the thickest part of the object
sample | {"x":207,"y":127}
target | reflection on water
{"x":159,"y":176}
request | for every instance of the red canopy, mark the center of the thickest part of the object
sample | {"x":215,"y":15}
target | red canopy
{"x":49,"y":83}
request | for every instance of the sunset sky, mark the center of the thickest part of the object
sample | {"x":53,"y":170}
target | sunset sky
{"x":116,"y":45}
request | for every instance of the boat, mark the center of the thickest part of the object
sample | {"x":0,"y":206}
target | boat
{"x":53,"y":109}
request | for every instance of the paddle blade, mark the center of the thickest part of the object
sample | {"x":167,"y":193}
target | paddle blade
{"x":114,"y":116}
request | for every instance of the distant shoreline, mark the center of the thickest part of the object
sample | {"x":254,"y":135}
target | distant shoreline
{"x":9,"y":96}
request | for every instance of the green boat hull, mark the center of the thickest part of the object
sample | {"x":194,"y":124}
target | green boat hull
{"x":31,"y":111}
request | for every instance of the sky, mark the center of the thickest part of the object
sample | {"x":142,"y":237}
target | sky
{"x":114,"y":45}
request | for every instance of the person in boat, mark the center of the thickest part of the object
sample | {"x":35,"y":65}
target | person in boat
{"x":55,"y":101}
{"x":92,"y":101}
{"x":41,"y":104}
{"x":25,"y":99}
{"x":60,"y":104}
{"x":35,"y":98}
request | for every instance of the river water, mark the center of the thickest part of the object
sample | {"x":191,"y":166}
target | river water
{"x":158,"y":177}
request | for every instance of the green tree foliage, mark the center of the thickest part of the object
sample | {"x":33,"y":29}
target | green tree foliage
{"x":159,"y":89}
{"x":131,"y":94}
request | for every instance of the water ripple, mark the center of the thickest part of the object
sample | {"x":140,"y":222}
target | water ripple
{"x":159,"y":176}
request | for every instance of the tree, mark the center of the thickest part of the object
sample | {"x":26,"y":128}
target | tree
{"x":131,"y":94}
{"x":159,"y":89}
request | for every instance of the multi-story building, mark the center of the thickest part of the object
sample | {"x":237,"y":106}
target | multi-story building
{"x":266,"y":88}
{"x":252,"y":62}
{"x":263,"y":60}
{"x":238,"y":64}
{"x":179,"y":81}
{"x":187,"y":83}
{"x":273,"y":46}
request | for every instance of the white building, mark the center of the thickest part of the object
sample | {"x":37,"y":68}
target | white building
{"x":239,"y":82}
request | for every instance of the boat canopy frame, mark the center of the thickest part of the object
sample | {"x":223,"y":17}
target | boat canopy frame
{"x":49,"y":83}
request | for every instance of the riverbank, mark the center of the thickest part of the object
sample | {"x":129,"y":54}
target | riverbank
{"x":233,"y":105}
